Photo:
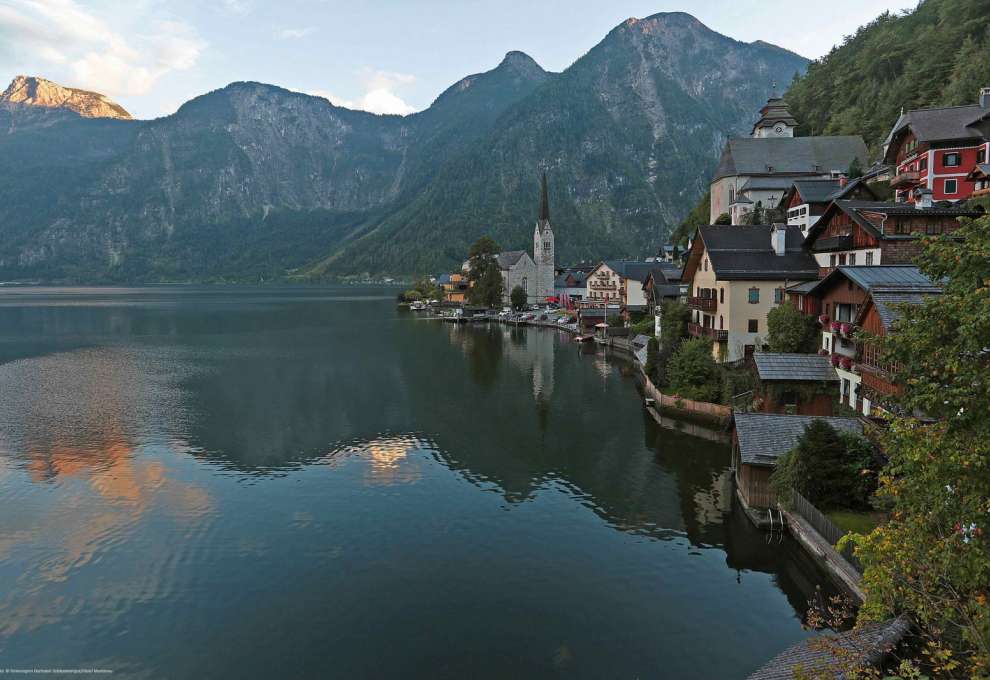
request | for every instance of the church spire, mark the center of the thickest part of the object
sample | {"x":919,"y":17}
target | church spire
{"x":544,"y":201}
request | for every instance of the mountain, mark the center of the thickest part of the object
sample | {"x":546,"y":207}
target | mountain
{"x":256,"y":182}
{"x":33,"y":91}
{"x":860,"y":86}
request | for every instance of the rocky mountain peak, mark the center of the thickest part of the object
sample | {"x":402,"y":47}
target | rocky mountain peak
{"x":34,"y":91}
{"x":521,"y":63}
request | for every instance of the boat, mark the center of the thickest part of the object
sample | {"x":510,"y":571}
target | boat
{"x":417,"y":306}
{"x":583,"y":338}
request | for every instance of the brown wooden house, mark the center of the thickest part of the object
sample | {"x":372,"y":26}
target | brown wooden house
{"x":796,"y":384}
{"x":758,"y":441}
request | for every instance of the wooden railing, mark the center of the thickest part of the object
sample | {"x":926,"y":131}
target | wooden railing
{"x":904,"y":178}
{"x":698,"y":331}
{"x":823,"y":525}
{"x":702,"y":304}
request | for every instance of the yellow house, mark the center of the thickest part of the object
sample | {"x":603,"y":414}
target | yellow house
{"x":736,"y":275}
{"x":455,"y":287}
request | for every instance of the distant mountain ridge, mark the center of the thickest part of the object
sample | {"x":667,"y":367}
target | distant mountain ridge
{"x":253,"y":181}
{"x":34,"y":91}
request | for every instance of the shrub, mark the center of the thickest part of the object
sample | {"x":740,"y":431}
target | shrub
{"x":788,"y":330}
{"x":692,"y":371}
{"x":518,"y":297}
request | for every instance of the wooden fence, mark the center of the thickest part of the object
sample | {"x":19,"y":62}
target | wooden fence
{"x":673,"y":401}
{"x":824,"y":526}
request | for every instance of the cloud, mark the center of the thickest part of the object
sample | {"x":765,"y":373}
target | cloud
{"x":294,"y":33}
{"x":379,"y":96}
{"x":83,"y":50}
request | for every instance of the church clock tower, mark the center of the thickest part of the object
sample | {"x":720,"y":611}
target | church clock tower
{"x":543,"y":248}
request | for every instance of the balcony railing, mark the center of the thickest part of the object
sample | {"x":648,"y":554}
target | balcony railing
{"x":981,"y":192}
{"x":905,"y":179}
{"x":702,"y":304}
{"x":701,"y":332}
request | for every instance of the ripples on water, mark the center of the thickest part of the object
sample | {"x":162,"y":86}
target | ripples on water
{"x":299,"y":483}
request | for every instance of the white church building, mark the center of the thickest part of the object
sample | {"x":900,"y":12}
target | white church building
{"x":534,"y":274}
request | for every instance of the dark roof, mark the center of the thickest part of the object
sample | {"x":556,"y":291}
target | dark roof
{"x":637,"y":271}
{"x":802,"y":288}
{"x":783,"y":366}
{"x":887,"y":300}
{"x":509,"y":258}
{"x":905,"y":278}
{"x":789,"y":155}
{"x":443,"y":278}
{"x":865,"y":646}
{"x":939,"y":124}
{"x":579,"y":279}
{"x":982,"y":170}
{"x":756,"y":183}
{"x":745,"y":252}
{"x":765,"y":437}
{"x":671,"y":271}
{"x":857,"y":209}
{"x":826,"y":190}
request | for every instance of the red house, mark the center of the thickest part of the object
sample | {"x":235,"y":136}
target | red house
{"x":937,"y":148}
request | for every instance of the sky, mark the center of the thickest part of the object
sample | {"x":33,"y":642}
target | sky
{"x":384,"y":56}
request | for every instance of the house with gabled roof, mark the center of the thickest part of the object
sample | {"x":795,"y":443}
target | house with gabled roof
{"x":620,"y":282}
{"x":805,"y":200}
{"x":980,"y":177}
{"x":796,"y":384}
{"x":840,"y":300}
{"x":735,"y":276}
{"x":936,"y":148}
{"x":873,"y":232}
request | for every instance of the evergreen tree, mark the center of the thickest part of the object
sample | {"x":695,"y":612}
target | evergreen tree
{"x":484,"y":275}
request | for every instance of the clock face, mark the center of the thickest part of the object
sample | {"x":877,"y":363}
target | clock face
{"x":778,"y":129}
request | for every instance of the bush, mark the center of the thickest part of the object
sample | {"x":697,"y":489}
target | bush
{"x":723,"y":219}
{"x":616,"y":322}
{"x":644,"y":327}
{"x":692,"y":372}
{"x":788,"y":330}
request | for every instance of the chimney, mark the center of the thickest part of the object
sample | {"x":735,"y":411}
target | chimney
{"x":985,"y":98}
{"x":778,"y":239}
{"x":922,"y":199}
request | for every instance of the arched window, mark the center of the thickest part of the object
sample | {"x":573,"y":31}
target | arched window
{"x":721,"y":296}
{"x":721,"y":325}
{"x":525,"y":285}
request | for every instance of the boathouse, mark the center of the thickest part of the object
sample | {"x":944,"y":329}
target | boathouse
{"x":759,"y":440}
{"x":796,"y":384}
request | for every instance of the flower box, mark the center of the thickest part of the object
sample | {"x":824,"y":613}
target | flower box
{"x":835,"y":359}
{"x":846,"y":329}
{"x":835,"y":327}
{"x":823,"y":352}
{"x":846,"y":363}
{"x":823,"y":320}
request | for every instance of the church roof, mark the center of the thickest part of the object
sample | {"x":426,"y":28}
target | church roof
{"x":789,"y":155}
{"x":775,"y":111}
{"x":509,"y":258}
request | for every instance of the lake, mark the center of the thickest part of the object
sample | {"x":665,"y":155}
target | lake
{"x":309,"y":482}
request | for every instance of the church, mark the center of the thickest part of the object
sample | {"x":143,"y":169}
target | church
{"x":534,"y":274}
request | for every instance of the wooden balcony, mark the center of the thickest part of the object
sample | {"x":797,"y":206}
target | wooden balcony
{"x":981,"y":192}
{"x":878,"y":380}
{"x":701,"y":332}
{"x":905,"y":179}
{"x":702,"y":304}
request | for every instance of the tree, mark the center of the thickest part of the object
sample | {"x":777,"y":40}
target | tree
{"x":698,"y":216}
{"x":674,"y":318}
{"x":518,"y":297}
{"x":932,"y":559}
{"x":692,"y":372}
{"x":826,"y":467}
{"x":484,"y":274}
{"x":788,"y":330}
{"x":724,"y":218}
{"x":855,"y":170}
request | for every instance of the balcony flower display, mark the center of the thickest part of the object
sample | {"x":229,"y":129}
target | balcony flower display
{"x":835,"y":359}
{"x":835,"y":327}
{"x":823,"y":320}
{"x":846,"y":329}
{"x":846,"y":363}
{"x":823,"y":352}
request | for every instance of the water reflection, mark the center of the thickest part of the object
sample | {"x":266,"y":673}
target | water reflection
{"x":252,"y":488}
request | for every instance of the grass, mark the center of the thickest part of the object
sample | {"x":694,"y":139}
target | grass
{"x":859,"y":522}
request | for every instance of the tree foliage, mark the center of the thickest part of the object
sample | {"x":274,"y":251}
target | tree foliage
{"x":860,"y":86}
{"x":484,"y":274}
{"x":932,"y":559}
{"x":723,"y":218}
{"x":699,"y":216}
{"x":788,"y":330}
{"x":518,"y":297}
{"x":692,"y":372}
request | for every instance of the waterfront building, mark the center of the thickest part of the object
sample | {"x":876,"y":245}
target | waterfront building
{"x":760,"y":168}
{"x":621,"y":281}
{"x":795,"y":384}
{"x":758,"y":442}
{"x":874,"y":233}
{"x":840,"y":300}
{"x":659,"y":287}
{"x":937,"y":148}
{"x":736,"y":275}
{"x":455,"y":287}
{"x":570,"y":285}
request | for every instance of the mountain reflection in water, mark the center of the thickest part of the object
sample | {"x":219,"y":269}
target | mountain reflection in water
{"x":302,"y":482}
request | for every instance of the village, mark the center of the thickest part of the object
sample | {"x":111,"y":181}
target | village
{"x":768,"y":322}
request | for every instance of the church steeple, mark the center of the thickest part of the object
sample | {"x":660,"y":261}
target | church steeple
{"x":544,"y":201}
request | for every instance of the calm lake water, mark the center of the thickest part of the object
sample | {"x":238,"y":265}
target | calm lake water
{"x":308,"y":482}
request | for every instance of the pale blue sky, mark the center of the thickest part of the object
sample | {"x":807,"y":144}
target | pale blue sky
{"x":383,"y":55}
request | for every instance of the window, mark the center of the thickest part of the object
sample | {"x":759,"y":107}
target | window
{"x":981,"y":155}
{"x":753,"y":326}
{"x":706,"y":264}
{"x":721,"y":325}
{"x":721,"y":296}
{"x":827,"y":337}
{"x":951,"y":186}
{"x":831,"y":260}
{"x":951,"y":160}
{"x":933,"y":228}
{"x":852,"y":259}
{"x":778,"y":295}
{"x":923,"y":165}
{"x":754,"y":296}
{"x":869,"y":259}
